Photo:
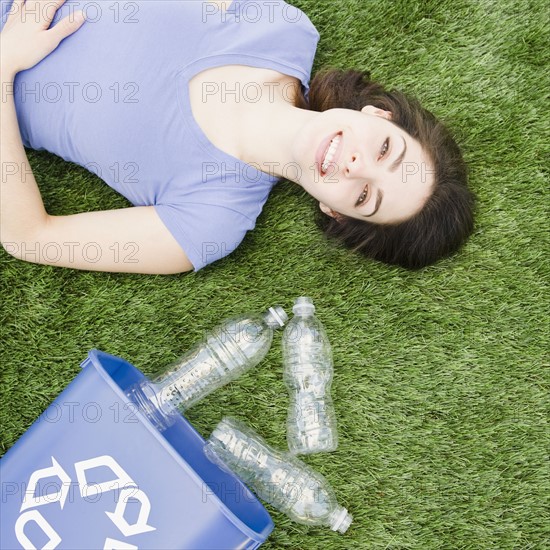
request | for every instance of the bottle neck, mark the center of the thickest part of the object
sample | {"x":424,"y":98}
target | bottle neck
{"x":340,"y":519}
{"x":145,"y":396}
{"x":275,"y":317}
{"x":304,"y":313}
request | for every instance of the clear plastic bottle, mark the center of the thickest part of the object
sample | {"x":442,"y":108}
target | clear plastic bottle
{"x":277,"y":477}
{"x":230,"y":349}
{"x":308,"y":372}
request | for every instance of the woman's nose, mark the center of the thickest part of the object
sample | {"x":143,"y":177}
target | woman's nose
{"x":359,"y":164}
{"x":355,"y":165}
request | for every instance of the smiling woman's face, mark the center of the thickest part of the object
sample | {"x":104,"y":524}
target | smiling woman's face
{"x":375,"y":171}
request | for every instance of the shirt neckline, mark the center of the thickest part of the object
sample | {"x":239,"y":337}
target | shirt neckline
{"x":185,"y":75}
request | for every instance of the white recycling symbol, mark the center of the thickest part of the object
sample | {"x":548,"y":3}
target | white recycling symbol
{"x":34,"y":515}
{"x":31,"y":501}
{"x":117,"y":517}
{"x":121,"y":479}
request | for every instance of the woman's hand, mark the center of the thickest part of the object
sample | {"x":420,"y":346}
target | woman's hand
{"x":25,"y":39}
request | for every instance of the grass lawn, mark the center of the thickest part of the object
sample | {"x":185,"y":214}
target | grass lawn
{"x":441,"y":380}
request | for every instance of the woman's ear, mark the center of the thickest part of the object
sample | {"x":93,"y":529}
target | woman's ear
{"x":329,"y":212}
{"x":372,"y":110}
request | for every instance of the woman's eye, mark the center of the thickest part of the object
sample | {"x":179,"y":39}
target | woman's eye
{"x":385,"y":147}
{"x":362,"y":196}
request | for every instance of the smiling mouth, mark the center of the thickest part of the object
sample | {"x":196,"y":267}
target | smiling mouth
{"x":330,"y":154}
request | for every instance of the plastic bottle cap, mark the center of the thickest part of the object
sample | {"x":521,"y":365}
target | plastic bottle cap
{"x":342,"y":522}
{"x":303,"y":304}
{"x":279,"y":315}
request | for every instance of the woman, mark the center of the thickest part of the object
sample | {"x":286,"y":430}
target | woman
{"x":193,"y":111}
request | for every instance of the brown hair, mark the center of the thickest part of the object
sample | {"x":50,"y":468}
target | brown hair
{"x":445,"y":221}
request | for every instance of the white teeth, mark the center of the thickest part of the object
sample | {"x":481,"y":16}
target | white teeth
{"x":330,"y":152}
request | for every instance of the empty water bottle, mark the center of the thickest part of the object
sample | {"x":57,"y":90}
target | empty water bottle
{"x":279,"y":478}
{"x":233,"y":347}
{"x":308,"y":371}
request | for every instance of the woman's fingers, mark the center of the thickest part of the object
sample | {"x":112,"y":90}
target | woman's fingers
{"x":16,"y":8}
{"x":27,"y":36}
{"x":38,"y":12}
{"x":49,"y":9}
{"x":66,"y":26}
{"x":33,"y":12}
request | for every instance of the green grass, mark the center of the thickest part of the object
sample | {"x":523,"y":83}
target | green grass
{"x":440,"y":387}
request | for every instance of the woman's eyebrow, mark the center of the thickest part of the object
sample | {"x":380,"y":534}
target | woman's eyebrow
{"x":378,"y":201}
{"x":399,"y":159}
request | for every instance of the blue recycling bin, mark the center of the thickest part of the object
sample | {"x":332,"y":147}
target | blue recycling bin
{"x":93,"y":473}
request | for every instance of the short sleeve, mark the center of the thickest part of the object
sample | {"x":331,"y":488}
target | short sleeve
{"x":206,"y":232}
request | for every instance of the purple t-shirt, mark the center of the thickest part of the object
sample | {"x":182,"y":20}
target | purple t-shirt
{"x":114,"y":98}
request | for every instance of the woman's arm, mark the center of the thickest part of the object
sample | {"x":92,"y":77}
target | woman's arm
{"x":24,"y":41}
{"x":21,"y":206}
{"x":130,"y":240}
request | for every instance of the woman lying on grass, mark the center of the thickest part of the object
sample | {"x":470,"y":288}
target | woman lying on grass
{"x":193,"y":111}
